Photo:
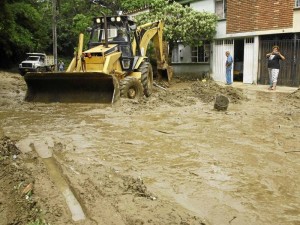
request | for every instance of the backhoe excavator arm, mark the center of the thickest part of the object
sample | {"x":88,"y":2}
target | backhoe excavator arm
{"x":154,"y":31}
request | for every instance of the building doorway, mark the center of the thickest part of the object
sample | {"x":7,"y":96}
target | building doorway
{"x":289,"y":44}
{"x":238,"y":65}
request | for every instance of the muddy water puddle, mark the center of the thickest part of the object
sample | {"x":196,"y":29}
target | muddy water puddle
{"x":224,"y":166}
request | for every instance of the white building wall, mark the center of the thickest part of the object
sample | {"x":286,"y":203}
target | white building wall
{"x":205,"y":5}
{"x":190,"y":70}
{"x":221,"y":29}
{"x":296,"y":20}
{"x":182,"y":54}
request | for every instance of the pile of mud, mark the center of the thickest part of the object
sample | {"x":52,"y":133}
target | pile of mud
{"x":294,"y":98}
{"x":295,"y":94}
{"x":8,"y":148}
{"x":12,"y":89}
{"x":205,"y":91}
{"x":17,"y":202}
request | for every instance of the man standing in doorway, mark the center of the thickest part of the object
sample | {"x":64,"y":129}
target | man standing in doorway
{"x":274,"y":66}
{"x":228,"y":65}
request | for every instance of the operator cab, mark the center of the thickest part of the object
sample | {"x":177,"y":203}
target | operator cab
{"x":118,"y":30}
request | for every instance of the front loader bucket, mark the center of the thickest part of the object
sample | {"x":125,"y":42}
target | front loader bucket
{"x":81,"y":87}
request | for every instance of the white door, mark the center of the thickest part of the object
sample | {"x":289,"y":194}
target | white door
{"x":248,"y":70}
{"x":220,"y":47}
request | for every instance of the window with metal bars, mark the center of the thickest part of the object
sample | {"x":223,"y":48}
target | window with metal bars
{"x":200,"y":54}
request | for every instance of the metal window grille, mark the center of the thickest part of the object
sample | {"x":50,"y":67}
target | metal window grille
{"x":228,"y":42}
{"x":249,"y":40}
{"x":200,"y":54}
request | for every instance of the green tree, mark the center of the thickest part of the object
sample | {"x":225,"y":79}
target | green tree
{"x":26,"y":25}
{"x":129,"y":5}
{"x":181,"y":23}
{"x":75,"y":16}
{"x":21,"y":30}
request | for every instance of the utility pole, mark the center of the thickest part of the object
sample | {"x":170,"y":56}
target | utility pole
{"x":54,"y":33}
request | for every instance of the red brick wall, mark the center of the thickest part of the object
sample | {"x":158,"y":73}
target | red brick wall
{"x":254,"y":15}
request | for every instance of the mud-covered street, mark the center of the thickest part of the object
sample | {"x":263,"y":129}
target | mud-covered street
{"x":167,"y":159}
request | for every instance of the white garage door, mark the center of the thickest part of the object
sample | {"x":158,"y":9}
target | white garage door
{"x":248,"y":61}
{"x":220,"y":47}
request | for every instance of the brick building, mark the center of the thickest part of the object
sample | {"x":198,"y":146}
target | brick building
{"x":248,"y":16}
{"x":249,"y":29}
{"x":254,"y":27}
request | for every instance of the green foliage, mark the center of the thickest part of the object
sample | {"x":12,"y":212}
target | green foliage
{"x":26,"y":25}
{"x":181,"y":23}
{"x":129,"y":5}
{"x":38,"y":222}
{"x":20,"y":21}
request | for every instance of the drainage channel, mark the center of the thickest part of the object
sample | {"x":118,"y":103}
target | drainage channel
{"x":46,"y":154}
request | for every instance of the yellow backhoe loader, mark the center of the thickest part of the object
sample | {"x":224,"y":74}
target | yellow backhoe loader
{"x":114,"y":65}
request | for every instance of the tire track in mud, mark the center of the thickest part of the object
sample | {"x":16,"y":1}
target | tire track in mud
{"x":54,"y":171}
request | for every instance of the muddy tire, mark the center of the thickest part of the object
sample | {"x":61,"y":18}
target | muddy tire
{"x":41,"y":69}
{"x":146,"y":78}
{"x":131,"y":87}
{"x":22,"y":73}
{"x":49,"y":68}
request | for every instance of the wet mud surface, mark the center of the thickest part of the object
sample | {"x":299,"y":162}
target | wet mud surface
{"x":167,"y":159}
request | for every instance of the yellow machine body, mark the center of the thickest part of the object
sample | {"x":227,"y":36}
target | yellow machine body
{"x":103,"y":77}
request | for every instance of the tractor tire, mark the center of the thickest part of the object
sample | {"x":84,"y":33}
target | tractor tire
{"x":146,"y":78}
{"x":22,"y":73}
{"x":41,"y":69}
{"x":131,"y":87}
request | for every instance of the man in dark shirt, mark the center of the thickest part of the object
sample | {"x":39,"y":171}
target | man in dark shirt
{"x":274,"y":66}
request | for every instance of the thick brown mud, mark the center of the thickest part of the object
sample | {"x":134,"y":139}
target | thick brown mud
{"x":167,"y":159}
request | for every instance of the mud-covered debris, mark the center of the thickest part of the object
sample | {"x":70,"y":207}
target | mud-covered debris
{"x":295,"y":94}
{"x":137,"y":187}
{"x":27,"y":189}
{"x":207,"y":91}
{"x":221,"y":103}
{"x":19,"y":205}
{"x":294,"y":98}
{"x":8,"y":147}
